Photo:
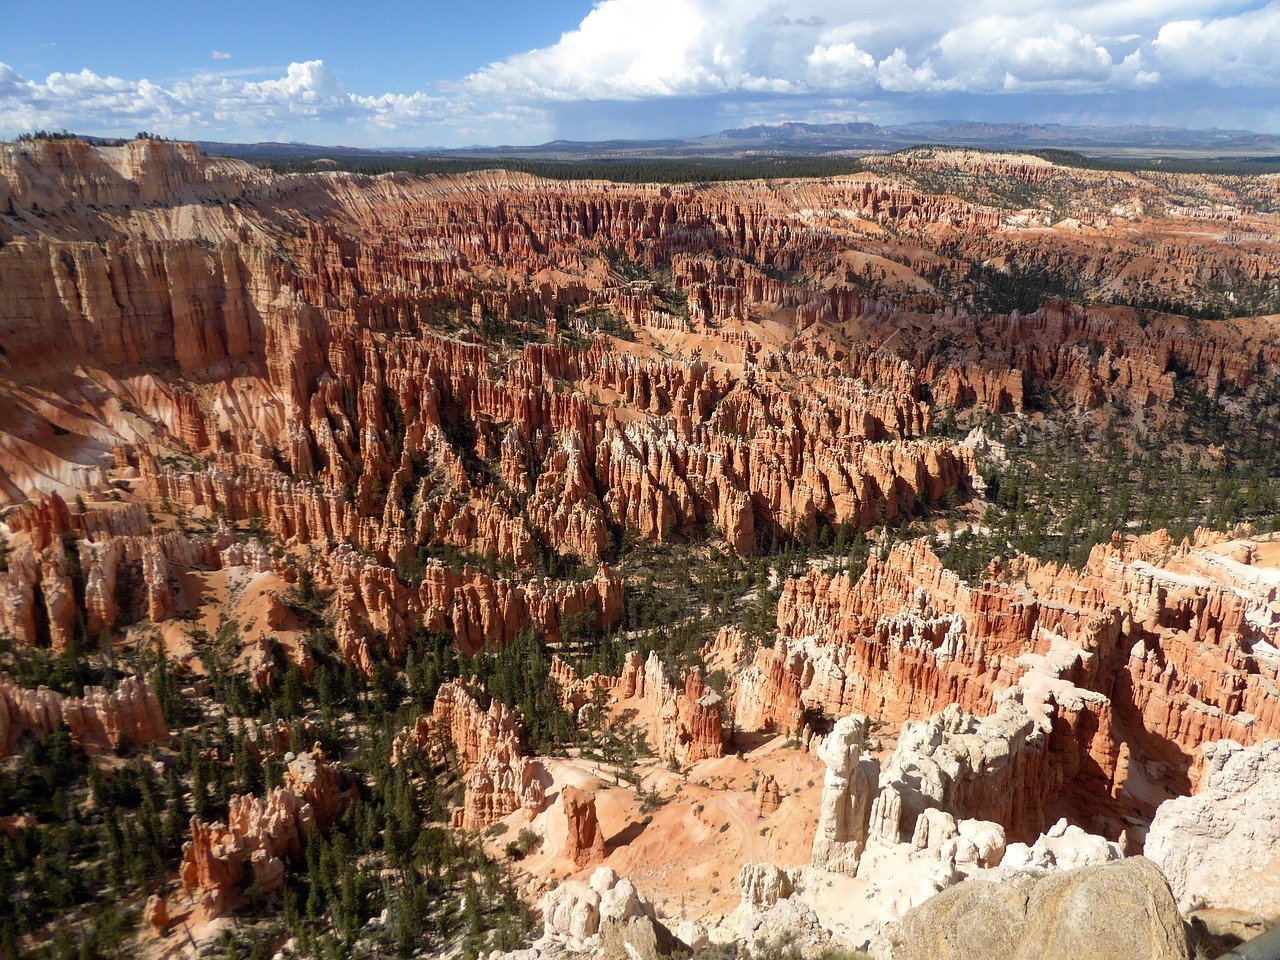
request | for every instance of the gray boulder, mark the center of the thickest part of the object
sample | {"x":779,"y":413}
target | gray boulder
{"x":1115,"y":911}
{"x":638,"y":938}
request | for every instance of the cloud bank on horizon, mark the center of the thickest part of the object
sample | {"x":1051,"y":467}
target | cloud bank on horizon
{"x":679,"y":67}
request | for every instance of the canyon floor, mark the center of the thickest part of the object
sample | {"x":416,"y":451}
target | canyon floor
{"x":484,"y":565}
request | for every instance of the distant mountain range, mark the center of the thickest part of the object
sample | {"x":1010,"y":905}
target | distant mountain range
{"x":807,"y":139}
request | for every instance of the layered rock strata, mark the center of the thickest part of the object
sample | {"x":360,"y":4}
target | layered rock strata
{"x":1134,"y":661}
{"x":102,"y":720}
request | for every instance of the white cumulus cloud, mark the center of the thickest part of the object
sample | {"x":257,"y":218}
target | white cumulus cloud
{"x":625,"y":49}
{"x":1241,"y":50}
{"x":840,"y":65}
{"x":308,"y":94}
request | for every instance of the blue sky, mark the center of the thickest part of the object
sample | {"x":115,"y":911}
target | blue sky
{"x":489,"y":71}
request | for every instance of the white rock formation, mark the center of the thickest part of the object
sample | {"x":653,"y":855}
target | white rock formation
{"x":790,"y":921}
{"x":848,"y":790}
{"x":692,"y":935}
{"x":763,"y":885}
{"x":933,"y":828}
{"x":976,"y":843}
{"x":1221,"y":847}
{"x":1064,"y":847}
{"x":571,"y":910}
{"x":575,"y":913}
{"x":965,"y":765}
{"x":622,"y":902}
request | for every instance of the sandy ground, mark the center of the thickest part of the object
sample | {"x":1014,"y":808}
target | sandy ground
{"x":685,"y":854}
{"x":247,"y":597}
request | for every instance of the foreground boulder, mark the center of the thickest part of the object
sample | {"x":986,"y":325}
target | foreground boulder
{"x":1119,"y":911}
{"x":606,"y":917}
{"x":638,"y":938}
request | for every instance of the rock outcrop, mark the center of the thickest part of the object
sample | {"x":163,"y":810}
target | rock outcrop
{"x":688,"y":725}
{"x":261,"y":834}
{"x":156,"y":914}
{"x":1221,"y":847}
{"x":768,"y":795}
{"x":763,"y":885}
{"x":442,"y":390}
{"x":996,"y":769}
{"x":638,"y":938}
{"x":1063,"y":847}
{"x":584,"y":841}
{"x":848,"y":790}
{"x":572,"y":910}
{"x":101,"y":720}
{"x":1085,"y":676}
{"x":600,"y":915}
{"x":686,"y":721}
{"x":499,"y":779}
{"x":476,"y":610}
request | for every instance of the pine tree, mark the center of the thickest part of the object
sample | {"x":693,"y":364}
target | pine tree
{"x":200,"y":790}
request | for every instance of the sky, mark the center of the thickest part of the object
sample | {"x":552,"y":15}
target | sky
{"x":429,"y":73}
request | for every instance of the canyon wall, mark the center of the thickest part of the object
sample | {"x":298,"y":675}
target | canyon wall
{"x":1133,"y":662}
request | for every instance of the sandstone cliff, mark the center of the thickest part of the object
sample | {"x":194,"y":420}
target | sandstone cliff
{"x":101,"y":720}
{"x":499,"y":778}
{"x":261,"y":834}
{"x":1137,"y":659}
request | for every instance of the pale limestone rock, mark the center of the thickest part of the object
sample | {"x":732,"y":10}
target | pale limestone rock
{"x":791,"y":921}
{"x":603,"y":879}
{"x":763,"y":885}
{"x":933,"y":829}
{"x":622,"y":902}
{"x":1221,"y":847}
{"x":847,"y":793}
{"x":572,"y":910}
{"x":1064,"y":847}
{"x":692,"y":935}
{"x":886,"y":815}
{"x":768,"y":795}
{"x":576,"y":911}
{"x":991,"y":768}
{"x":987,"y":838}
